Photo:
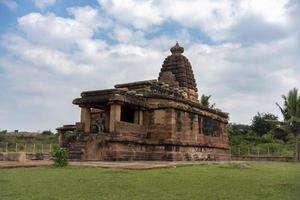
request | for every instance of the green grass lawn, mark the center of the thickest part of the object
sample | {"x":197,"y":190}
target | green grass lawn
{"x":254,"y":181}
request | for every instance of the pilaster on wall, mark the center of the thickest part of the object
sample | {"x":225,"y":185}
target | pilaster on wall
{"x":172,"y":121}
{"x":115,"y":115}
{"x":107,"y":119}
{"x":85,"y":118}
{"x":136,"y":116}
{"x":195,"y":131}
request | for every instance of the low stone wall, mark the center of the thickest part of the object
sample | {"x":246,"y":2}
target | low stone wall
{"x":22,"y":156}
{"x":262,"y":158}
{"x":38,"y":156}
{"x":13,"y":156}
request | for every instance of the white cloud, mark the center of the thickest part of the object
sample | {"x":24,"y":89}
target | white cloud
{"x":90,"y":17}
{"x":272,"y":11}
{"x":35,"y":99}
{"x":39,"y":56}
{"x":215,"y":18}
{"x":42,"y":4}
{"x":125,"y":35}
{"x":140,"y":14}
{"x":52,"y":30}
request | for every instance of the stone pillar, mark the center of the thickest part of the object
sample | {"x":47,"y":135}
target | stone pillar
{"x":141,"y":117}
{"x":61,"y":137}
{"x":115,"y":115}
{"x":85,"y":118}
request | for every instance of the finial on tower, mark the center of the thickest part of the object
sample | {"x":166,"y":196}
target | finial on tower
{"x":177,"y":49}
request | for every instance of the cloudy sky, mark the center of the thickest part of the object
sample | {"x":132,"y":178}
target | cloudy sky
{"x":245,"y":53}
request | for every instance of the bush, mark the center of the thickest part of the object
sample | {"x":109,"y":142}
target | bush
{"x":268,"y":138}
{"x":60,"y":157}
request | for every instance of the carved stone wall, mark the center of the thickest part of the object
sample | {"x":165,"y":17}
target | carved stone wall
{"x":130,"y":130}
{"x":113,"y":151}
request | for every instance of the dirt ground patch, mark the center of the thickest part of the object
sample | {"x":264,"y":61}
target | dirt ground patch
{"x":120,"y":165}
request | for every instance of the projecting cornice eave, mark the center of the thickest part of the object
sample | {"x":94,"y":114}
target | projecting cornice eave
{"x":137,"y":83}
{"x":187,"y":101}
{"x":102,"y":92}
{"x":87,"y":100}
{"x":104,"y":99}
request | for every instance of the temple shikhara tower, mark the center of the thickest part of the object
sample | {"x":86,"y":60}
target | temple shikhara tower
{"x":148,"y":120}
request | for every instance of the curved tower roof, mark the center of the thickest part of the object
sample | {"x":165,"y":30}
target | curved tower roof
{"x":177,"y":70}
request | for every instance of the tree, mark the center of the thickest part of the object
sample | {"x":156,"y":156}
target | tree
{"x":3,"y":135}
{"x":47,"y":133}
{"x":238,"y":129}
{"x":261,"y":123}
{"x":204,"y":101}
{"x":291,"y":114}
{"x":280,"y":134}
{"x":241,"y":134}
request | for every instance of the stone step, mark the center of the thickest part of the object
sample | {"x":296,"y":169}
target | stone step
{"x":83,"y":140}
{"x":75,"y":152}
{"x":79,"y":142}
{"x":75,"y":155}
{"x":74,"y":159}
{"x":78,"y":145}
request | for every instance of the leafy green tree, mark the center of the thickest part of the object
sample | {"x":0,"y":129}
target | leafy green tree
{"x":291,"y":114}
{"x":3,"y":135}
{"x":280,"y":134}
{"x":261,"y":123}
{"x":204,"y":101}
{"x":47,"y":133}
{"x":238,"y":129}
{"x":241,"y":134}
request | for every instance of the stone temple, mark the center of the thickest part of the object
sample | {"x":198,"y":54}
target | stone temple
{"x":148,"y":120}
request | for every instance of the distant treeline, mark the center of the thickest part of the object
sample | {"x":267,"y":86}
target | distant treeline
{"x":44,"y":137}
{"x":263,"y":129}
{"x":264,"y":132}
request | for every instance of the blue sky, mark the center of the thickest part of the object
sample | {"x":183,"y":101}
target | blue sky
{"x":244,"y":53}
